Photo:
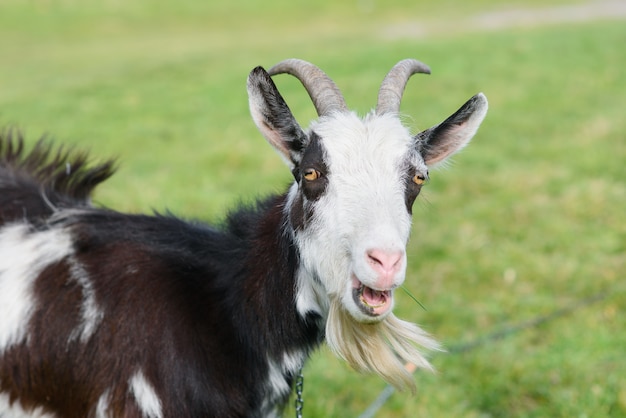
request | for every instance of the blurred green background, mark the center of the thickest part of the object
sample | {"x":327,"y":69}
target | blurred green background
{"x":531,"y":217}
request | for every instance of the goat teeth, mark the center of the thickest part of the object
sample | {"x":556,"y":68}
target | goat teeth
{"x":370,"y":305}
{"x":373,"y":298}
{"x":371,"y":301}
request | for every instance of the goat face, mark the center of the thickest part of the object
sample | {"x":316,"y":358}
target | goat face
{"x":352,"y":231}
{"x":349,"y":208}
{"x":356,"y":180}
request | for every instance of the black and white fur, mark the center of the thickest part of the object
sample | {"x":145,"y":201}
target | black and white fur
{"x":104,"y":314}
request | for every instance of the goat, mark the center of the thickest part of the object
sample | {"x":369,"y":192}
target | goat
{"x":104,"y":314}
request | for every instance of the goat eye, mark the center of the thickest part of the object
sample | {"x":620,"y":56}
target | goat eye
{"x":311,"y":174}
{"x":419,"y":179}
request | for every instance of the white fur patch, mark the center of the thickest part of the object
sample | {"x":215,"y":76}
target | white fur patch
{"x":90,"y":312}
{"x":293,"y":362}
{"x":310,"y":296}
{"x":15,"y":410}
{"x":363,"y":207}
{"x":145,"y":395}
{"x":24,"y":254}
{"x":277,"y":380}
{"x":277,"y":385}
{"x":102,"y":408}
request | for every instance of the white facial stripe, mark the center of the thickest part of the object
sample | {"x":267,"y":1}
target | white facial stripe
{"x":367,"y":163}
{"x":25,"y":254}
{"x":146,"y":396}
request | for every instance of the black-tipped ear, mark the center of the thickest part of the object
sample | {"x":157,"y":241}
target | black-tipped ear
{"x":273,"y":117}
{"x":439,"y":142}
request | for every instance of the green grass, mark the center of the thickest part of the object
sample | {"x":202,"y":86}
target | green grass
{"x":529,"y":218}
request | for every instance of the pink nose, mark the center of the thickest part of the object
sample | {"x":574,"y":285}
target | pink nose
{"x":386,"y":264}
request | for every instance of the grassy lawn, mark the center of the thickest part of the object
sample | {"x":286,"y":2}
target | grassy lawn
{"x":531,"y":217}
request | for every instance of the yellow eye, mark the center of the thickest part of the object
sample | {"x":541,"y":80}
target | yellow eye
{"x":419,"y":179}
{"x":311,"y":174}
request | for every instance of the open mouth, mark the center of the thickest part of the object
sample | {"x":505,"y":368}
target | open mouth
{"x":371,"y":301}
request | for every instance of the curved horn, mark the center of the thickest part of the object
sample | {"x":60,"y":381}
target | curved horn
{"x":323,"y":91}
{"x":392,"y":87}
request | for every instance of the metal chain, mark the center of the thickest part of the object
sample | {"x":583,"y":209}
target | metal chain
{"x":299,"y":388}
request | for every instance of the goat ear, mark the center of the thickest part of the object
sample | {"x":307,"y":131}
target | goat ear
{"x":273,"y":117}
{"x":441,"y":141}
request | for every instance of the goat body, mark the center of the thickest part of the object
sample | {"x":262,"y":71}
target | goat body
{"x":104,"y":314}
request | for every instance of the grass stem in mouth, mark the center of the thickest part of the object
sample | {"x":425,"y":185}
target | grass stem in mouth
{"x":413,"y":297}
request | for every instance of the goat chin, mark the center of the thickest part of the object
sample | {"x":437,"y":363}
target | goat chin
{"x":382,"y":348}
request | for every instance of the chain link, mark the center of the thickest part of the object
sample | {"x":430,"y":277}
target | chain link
{"x":299,"y":400}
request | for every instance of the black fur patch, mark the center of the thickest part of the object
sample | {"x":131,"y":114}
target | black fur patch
{"x":412,"y":190}
{"x":310,"y":191}
{"x":198,"y":310}
{"x":64,"y":177}
{"x":314,"y":158}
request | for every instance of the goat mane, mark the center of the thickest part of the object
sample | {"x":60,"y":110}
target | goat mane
{"x":59,"y":172}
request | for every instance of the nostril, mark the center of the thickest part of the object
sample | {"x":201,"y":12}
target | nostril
{"x":386,"y":261}
{"x":372,"y":259}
